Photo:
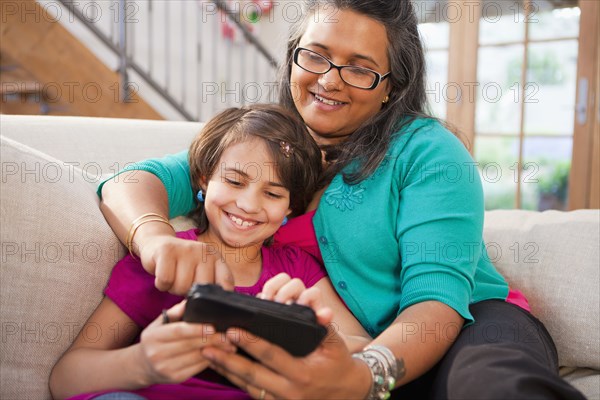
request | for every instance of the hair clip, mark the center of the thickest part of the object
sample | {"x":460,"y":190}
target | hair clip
{"x":286,"y":149}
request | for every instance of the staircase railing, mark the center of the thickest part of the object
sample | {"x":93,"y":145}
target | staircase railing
{"x":212,"y":66}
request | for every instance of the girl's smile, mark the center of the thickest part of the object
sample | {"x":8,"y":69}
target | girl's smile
{"x":241,"y":222}
{"x":245,"y":200}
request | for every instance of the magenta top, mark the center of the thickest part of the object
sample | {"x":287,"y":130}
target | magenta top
{"x":133,"y":290}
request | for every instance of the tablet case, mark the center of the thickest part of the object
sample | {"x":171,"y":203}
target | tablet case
{"x":292,"y":327}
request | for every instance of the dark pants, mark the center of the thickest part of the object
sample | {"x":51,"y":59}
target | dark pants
{"x":506,"y":354}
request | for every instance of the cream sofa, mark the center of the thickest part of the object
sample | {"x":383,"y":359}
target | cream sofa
{"x":57,"y":250}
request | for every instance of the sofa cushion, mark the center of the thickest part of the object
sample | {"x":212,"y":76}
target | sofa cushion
{"x":102,"y":145}
{"x":57,"y":253}
{"x":584,"y":379}
{"x":552,"y":257}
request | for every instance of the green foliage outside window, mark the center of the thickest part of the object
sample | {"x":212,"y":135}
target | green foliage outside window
{"x":553,"y":185}
{"x":543,"y":69}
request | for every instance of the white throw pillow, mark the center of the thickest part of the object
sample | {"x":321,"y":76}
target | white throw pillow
{"x":57,"y":254}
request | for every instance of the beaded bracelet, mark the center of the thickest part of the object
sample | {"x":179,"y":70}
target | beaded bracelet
{"x":386,"y":370}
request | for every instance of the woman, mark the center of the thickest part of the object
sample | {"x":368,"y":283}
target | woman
{"x":398,"y":224}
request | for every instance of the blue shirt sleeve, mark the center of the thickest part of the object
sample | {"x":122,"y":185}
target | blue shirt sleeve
{"x":440,"y":221}
{"x":174,"y":172}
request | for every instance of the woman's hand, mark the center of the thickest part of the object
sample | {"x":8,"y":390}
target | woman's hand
{"x":172,"y":353}
{"x":178,"y":263}
{"x":328,"y":372}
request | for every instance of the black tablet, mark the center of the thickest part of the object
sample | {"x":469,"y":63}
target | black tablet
{"x":292,"y":327}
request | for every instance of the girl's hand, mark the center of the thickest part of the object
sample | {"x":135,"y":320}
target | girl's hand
{"x":283,"y":289}
{"x":172,"y":353}
{"x":178,"y":263}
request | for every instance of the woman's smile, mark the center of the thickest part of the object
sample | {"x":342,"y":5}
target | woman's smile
{"x":331,"y":108}
{"x":327,"y":103}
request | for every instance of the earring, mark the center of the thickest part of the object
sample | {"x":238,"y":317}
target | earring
{"x":285,"y":221}
{"x":385,"y":99}
{"x":200,"y":196}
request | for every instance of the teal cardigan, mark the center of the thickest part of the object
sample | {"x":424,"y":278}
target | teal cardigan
{"x":409,"y":233}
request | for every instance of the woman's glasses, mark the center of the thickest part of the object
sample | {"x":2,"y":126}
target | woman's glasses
{"x":359,"y":77}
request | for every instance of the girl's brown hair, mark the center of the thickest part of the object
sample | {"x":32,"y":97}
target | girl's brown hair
{"x":298,"y":166}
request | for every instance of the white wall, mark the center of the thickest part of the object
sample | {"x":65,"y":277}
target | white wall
{"x":180,"y":43}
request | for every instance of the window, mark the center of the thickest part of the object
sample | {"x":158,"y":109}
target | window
{"x":435,"y":33}
{"x":526,"y":76}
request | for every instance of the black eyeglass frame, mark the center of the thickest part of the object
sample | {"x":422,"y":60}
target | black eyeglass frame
{"x":378,"y":77}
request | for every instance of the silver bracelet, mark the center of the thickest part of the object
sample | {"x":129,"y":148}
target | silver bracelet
{"x":386,"y":370}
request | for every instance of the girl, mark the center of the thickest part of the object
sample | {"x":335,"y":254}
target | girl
{"x":251,"y":167}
